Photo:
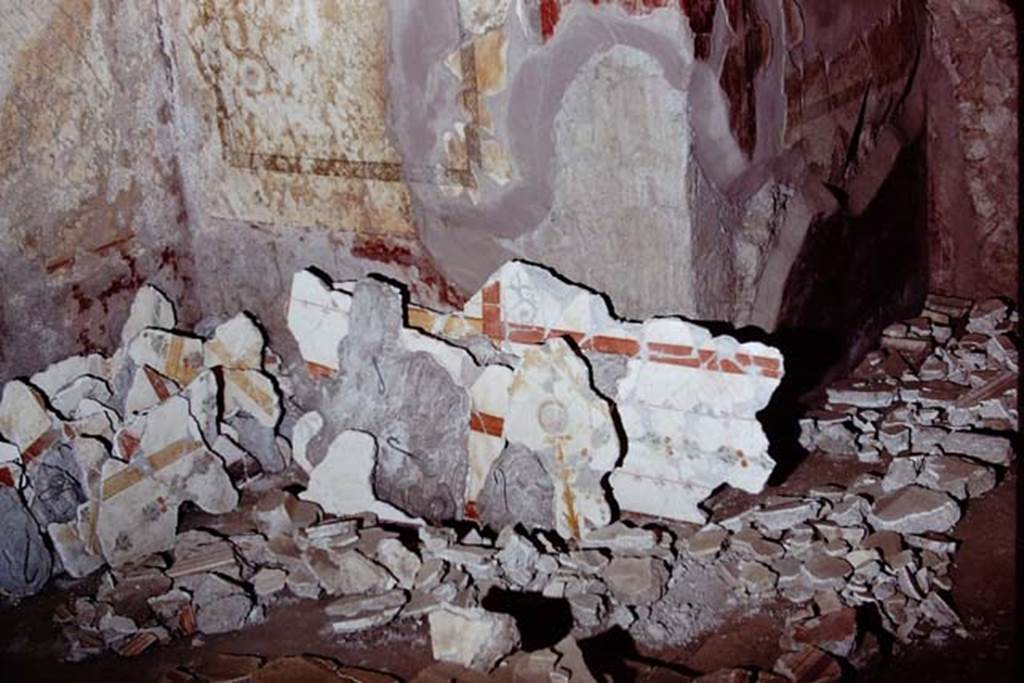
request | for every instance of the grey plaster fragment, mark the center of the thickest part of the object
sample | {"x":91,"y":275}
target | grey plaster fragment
{"x":25,"y":562}
{"x":407,"y":400}
{"x":914,"y":510}
{"x":518,"y":490}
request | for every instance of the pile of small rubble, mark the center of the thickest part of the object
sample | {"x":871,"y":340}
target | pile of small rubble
{"x":102,"y":452}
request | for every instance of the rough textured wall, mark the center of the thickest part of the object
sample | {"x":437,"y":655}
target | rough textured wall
{"x":90,"y":192}
{"x":972,"y":147}
{"x":673,"y":154}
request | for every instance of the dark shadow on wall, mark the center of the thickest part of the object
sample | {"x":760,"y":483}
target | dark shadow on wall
{"x":853,"y":276}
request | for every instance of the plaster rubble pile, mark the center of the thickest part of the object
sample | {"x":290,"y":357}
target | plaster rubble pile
{"x":99,"y":453}
{"x":100,"y":482}
{"x":552,"y":383}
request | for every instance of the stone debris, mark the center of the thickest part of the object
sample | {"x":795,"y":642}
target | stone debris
{"x":410,"y":424}
{"x":360,"y":612}
{"x":914,"y":510}
{"x":473,"y":638}
{"x":635,"y":580}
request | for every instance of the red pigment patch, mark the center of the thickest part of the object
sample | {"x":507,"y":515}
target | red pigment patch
{"x":428,"y":279}
{"x":700,"y":13}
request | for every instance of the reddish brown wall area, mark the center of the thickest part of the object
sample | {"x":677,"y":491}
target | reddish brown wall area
{"x":91,"y":199}
{"x":972,"y":150}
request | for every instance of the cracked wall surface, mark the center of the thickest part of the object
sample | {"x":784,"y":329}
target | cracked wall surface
{"x":90,"y":187}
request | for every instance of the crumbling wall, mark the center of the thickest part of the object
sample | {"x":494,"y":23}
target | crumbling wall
{"x":973,"y":147}
{"x":674,"y":155}
{"x":90,"y":191}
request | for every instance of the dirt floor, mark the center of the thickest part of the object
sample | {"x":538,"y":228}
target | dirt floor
{"x":985,"y":593}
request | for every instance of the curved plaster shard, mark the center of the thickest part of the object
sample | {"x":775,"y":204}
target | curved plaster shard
{"x":138,"y":510}
{"x":342,"y":484}
{"x":553,"y":411}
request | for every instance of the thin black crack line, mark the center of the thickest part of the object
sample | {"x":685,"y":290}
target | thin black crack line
{"x":380,"y":377}
{"x":393,"y":442}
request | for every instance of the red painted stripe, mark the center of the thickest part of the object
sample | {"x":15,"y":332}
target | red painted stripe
{"x":491,"y":301}
{"x":671,"y":360}
{"x":670,"y":349}
{"x":549,"y":11}
{"x":6,"y":477}
{"x":317,"y":371}
{"x":616,"y":345}
{"x":38,"y":447}
{"x":669,"y":354}
{"x":491,"y":425}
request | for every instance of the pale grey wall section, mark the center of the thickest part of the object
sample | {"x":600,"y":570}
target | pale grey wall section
{"x":90,"y":191}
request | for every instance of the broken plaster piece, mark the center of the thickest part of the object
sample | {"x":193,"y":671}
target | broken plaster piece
{"x":687,"y":400}
{"x":342,"y":483}
{"x":173,"y":355}
{"x":138,"y":511}
{"x":553,"y":411}
{"x":25,"y":420}
{"x":237,"y":344}
{"x":150,"y":308}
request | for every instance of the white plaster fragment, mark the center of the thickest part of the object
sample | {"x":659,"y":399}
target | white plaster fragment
{"x":342,"y":484}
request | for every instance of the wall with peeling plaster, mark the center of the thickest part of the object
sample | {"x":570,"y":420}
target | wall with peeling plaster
{"x":703,"y":157}
{"x":673,"y":155}
{"x":91,"y":199}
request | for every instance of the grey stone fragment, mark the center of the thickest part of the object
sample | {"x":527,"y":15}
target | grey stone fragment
{"x":354,"y":605}
{"x":894,"y":438}
{"x":268,"y":581}
{"x":706,"y":542}
{"x":221,"y":606}
{"x":996,"y":450}
{"x":756,"y":577}
{"x":786,"y":515}
{"x":621,"y":538}
{"x":348,"y":573}
{"x":825,"y":571}
{"x":749,"y":543}
{"x":518,"y":559}
{"x":960,"y":477}
{"x":849,"y":511}
{"x":258,"y":441}
{"x":835,"y":438}
{"x":58,"y":490}
{"x":636,"y":581}
{"x":25,"y":561}
{"x":861,"y":394}
{"x":403,"y":564}
{"x":518,"y":490}
{"x":902,"y":472}
{"x":359,"y":612}
{"x":407,"y":400}
{"x":914,"y":510}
